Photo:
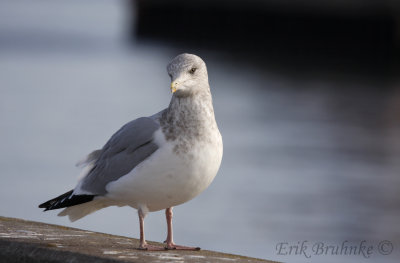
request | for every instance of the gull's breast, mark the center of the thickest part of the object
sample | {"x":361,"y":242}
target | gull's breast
{"x":169,"y":177}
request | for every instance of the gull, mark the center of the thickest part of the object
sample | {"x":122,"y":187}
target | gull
{"x":157,"y":162}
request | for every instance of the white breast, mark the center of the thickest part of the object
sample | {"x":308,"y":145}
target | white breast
{"x":166,"y":179}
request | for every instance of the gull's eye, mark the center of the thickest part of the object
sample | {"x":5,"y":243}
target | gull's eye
{"x":192,"y":70}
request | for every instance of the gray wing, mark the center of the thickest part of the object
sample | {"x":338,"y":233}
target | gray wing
{"x":128,"y":147}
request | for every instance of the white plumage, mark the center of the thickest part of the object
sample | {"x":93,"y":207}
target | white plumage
{"x":155,"y":162}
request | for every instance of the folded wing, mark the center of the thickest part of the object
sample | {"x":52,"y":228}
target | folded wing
{"x":128,"y":147}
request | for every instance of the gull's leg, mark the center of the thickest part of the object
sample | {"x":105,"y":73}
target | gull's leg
{"x":143,"y":244}
{"x":170,"y":239}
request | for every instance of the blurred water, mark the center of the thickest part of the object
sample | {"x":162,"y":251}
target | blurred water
{"x":305,"y":158}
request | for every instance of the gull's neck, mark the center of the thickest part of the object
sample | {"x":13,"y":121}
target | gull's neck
{"x":191,"y":109}
{"x":189,"y":116}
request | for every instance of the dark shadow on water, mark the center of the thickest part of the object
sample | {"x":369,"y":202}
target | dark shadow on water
{"x":361,"y":41}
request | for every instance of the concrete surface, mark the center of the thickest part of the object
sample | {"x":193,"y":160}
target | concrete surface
{"x":27,"y":241}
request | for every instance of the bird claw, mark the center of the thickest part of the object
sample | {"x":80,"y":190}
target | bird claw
{"x":151,"y":247}
{"x":177,"y":247}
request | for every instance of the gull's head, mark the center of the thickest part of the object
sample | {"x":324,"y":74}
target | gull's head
{"x":188,"y":75}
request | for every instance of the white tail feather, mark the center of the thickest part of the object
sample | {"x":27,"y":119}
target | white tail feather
{"x":78,"y":211}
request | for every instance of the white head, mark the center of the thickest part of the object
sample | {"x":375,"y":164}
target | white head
{"x":188,"y":75}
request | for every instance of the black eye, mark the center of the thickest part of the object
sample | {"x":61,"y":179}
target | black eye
{"x":192,"y":70}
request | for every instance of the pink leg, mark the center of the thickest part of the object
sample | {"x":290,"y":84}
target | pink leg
{"x":143,"y":244}
{"x":170,"y":239}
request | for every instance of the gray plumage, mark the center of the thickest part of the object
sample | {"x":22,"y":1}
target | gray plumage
{"x":128,"y":147}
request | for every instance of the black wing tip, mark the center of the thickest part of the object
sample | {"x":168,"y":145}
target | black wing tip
{"x":65,"y":200}
{"x":48,"y":204}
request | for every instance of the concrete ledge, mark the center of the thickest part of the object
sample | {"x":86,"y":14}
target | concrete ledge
{"x":27,"y":241}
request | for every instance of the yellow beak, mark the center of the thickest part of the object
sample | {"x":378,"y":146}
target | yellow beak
{"x":174,"y":86}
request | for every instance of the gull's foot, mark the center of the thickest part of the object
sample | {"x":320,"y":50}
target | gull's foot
{"x":172,"y":246}
{"x":149,"y":247}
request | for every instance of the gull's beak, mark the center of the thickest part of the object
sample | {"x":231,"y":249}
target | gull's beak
{"x":174,"y":86}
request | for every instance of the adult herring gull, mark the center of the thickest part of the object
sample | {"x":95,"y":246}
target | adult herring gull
{"x":157,"y":162}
